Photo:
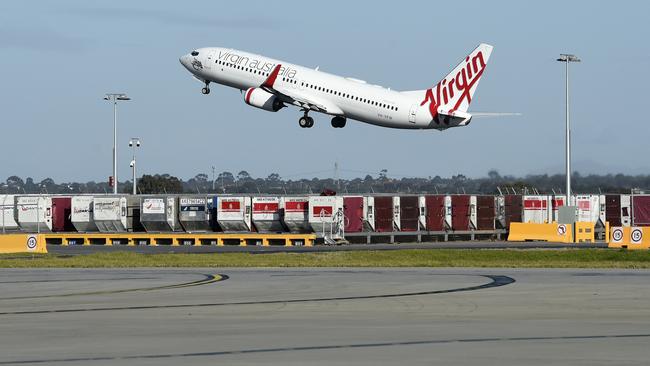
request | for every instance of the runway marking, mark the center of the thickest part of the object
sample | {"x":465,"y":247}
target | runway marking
{"x":497,"y":281}
{"x":328,"y":347}
{"x":207,"y":280}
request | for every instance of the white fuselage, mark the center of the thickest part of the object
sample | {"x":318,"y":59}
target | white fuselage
{"x":338,"y":96}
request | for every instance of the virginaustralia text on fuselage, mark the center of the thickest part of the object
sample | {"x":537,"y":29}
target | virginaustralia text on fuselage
{"x":272,"y":85}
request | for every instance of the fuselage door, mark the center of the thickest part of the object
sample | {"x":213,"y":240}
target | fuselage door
{"x":412,"y":112}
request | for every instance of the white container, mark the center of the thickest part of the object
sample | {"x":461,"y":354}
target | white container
{"x":553,"y":207}
{"x":159,"y":214}
{"x":326,"y":214}
{"x":110,"y":213}
{"x":234,"y":213}
{"x":473,"y":213}
{"x":369,"y":213}
{"x":7,"y":219}
{"x":626,"y":210}
{"x":535,"y":209}
{"x":7,"y":213}
{"x":448,"y":211}
{"x":422,"y":218}
{"x":33,"y":213}
{"x":82,"y":216}
{"x":295,"y":213}
{"x":588,"y":207}
{"x":194,"y":214}
{"x":397,"y":220}
{"x":266,"y":214}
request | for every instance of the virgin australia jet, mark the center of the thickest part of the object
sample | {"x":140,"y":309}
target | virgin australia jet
{"x":272,"y":84}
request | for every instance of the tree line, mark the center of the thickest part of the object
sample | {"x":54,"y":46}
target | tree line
{"x":244,"y":183}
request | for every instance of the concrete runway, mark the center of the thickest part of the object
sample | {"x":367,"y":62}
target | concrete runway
{"x":324,"y":317}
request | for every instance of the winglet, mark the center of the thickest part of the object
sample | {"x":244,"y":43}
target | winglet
{"x":268,"y":83}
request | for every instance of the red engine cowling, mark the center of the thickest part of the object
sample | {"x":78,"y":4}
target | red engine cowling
{"x":262,"y":99}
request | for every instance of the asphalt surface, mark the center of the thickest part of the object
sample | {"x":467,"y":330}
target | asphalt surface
{"x":85,"y":249}
{"x":324,"y":317}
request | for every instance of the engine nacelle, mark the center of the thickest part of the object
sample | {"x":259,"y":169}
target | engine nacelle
{"x":262,"y":99}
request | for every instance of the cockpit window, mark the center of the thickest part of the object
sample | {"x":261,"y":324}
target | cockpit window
{"x":195,"y":53}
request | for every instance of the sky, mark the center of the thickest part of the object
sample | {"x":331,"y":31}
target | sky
{"x":58,"y":59}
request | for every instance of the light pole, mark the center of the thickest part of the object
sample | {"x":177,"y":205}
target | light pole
{"x":114,"y":97}
{"x":567,"y":58}
{"x":133,"y":143}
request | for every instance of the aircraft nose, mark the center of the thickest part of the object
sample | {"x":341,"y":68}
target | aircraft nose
{"x":185,"y":61}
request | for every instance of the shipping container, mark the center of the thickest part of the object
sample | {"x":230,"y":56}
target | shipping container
{"x":326,"y":214}
{"x":33,"y":213}
{"x":556,"y":201}
{"x":409,"y":211}
{"x":460,"y":212}
{"x":110,"y":213}
{"x":82,"y":214}
{"x":535,"y":209}
{"x":486,"y":212}
{"x":613,"y":209}
{"x":435,"y":212}
{"x":369,"y":213}
{"x":641,"y":210}
{"x":234,"y":213}
{"x":62,"y":214}
{"x":626,"y":210}
{"x":7,"y":219}
{"x":353,"y":211}
{"x":588,"y":206}
{"x":384,"y":214}
{"x":513,"y":209}
{"x":194,"y":214}
{"x":266,"y":214}
{"x":295,"y":213}
{"x":422,"y":217}
{"x":159,"y":213}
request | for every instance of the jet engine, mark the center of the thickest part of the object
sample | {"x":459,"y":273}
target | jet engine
{"x":262,"y":99}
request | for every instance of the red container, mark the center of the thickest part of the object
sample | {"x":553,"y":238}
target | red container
{"x":409,"y":213}
{"x":435,"y":212}
{"x":641,"y":210}
{"x":613,"y":209}
{"x":460,"y":212}
{"x":384,"y":214}
{"x":353,"y":211}
{"x":485,"y":213}
{"x":61,"y":214}
{"x":513,"y":208}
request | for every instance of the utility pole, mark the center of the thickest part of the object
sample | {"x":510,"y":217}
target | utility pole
{"x":567,"y":58}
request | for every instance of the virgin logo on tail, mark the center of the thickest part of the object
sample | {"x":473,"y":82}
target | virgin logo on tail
{"x":459,"y":86}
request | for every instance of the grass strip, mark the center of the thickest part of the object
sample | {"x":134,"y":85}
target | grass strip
{"x":504,"y":258}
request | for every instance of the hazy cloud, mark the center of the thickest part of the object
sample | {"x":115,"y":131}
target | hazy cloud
{"x":178,"y":18}
{"x":41,"y":40}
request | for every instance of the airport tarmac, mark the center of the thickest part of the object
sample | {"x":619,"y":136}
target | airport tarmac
{"x":324,"y":316}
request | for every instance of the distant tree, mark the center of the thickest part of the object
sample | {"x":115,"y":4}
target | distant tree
{"x":273,"y":177}
{"x":383,"y":174}
{"x":155,"y":184}
{"x":201,"y":177}
{"x":243,"y":175}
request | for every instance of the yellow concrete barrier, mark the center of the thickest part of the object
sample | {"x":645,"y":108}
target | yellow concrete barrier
{"x":636,"y":237}
{"x":585,"y":232}
{"x":553,"y":232}
{"x":22,"y":243}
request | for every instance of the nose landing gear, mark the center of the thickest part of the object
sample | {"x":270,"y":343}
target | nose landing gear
{"x":206,"y":89}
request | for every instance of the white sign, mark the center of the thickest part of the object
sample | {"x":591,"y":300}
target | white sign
{"x":636,"y":235}
{"x":153,"y":206}
{"x":617,"y":234}
{"x":32,"y":242}
{"x":561,"y":229}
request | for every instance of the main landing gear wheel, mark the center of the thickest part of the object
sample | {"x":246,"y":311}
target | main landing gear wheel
{"x":306,"y":122}
{"x":338,"y":122}
{"x":206,"y":89}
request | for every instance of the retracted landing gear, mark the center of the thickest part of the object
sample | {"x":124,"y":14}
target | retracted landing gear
{"x":306,"y":121}
{"x":206,"y":89}
{"x":338,"y":122}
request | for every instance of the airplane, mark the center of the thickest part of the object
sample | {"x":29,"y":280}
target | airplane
{"x":271,"y":85}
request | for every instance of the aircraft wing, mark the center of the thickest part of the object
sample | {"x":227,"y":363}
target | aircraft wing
{"x":295,"y":97}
